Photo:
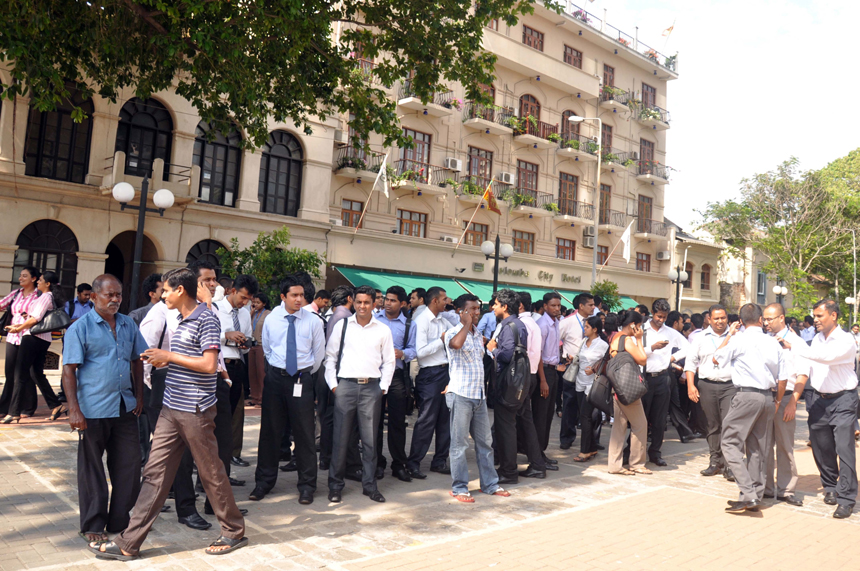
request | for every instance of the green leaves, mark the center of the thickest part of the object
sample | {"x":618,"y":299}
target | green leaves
{"x":608,"y":292}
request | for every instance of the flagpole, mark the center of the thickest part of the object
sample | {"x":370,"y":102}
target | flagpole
{"x":357,"y":226}
{"x":478,"y":207}
{"x":613,"y":251}
{"x":379,"y":175}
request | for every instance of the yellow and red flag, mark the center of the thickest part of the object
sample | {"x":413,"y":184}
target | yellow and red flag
{"x":492,"y":206}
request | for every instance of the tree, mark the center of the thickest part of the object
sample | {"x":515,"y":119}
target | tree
{"x":242,"y":63}
{"x":269,"y":260}
{"x":608,"y":292}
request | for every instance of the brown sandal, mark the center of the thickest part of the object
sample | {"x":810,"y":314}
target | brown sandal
{"x":624,"y":472}
{"x":642,"y":471}
{"x":583,"y":458}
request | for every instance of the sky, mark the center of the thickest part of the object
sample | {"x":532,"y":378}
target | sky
{"x":760,"y":81}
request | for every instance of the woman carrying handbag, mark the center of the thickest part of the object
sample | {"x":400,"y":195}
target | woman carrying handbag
{"x":591,"y":353}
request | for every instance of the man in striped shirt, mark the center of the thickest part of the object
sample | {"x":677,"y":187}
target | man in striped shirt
{"x":187,"y":419}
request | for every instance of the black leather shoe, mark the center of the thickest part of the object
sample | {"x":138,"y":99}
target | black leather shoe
{"x":306,"y":498}
{"x":508,"y":481}
{"x":209,"y":511}
{"x":198,"y":487}
{"x":740,"y":507}
{"x":727,"y":474}
{"x":334,"y":497}
{"x":552,"y":461}
{"x":768,"y":496}
{"x":711,"y":470}
{"x":237,"y":461}
{"x":686,"y":439}
{"x":165,"y":508}
{"x":289,"y":466}
{"x":659,"y":462}
{"x":600,"y":447}
{"x":565,"y":446}
{"x":842,"y":512}
{"x":551,"y":467}
{"x":375,"y":496}
{"x":418,"y":474}
{"x":532,"y":473}
{"x":354,"y":475}
{"x":442,"y":470}
{"x":697,"y":435}
{"x":257,"y":495}
{"x":402,"y":474}
{"x":380,"y":473}
{"x":790,"y":500}
{"x":324,"y":464}
{"x":195,"y":521}
{"x":830,"y":498}
{"x":235,"y":482}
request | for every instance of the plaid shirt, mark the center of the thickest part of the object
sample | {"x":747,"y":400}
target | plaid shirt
{"x":466,"y":365}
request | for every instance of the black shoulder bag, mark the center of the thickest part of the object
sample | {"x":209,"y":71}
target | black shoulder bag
{"x":340,"y":349}
{"x":6,"y":320}
{"x":600,"y":395}
{"x":513,"y":381}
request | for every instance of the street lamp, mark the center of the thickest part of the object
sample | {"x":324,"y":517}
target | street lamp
{"x":852,"y":301}
{"x":504,"y":251}
{"x":576,"y":119}
{"x":163,"y":199}
{"x":677,"y":276}
{"x":780,"y":292}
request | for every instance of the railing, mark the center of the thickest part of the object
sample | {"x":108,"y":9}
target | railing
{"x":580,"y":143}
{"x":612,"y":218}
{"x":645,"y":226}
{"x":476,"y":185}
{"x":654,"y":112}
{"x":355,"y":158}
{"x":574,"y":208}
{"x":424,"y":173}
{"x":177,"y":173}
{"x":527,"y":197}
{"x":536,"y":128}
{"x":611,"y":155}
{"x":443,"y":98}
{"x":610,"y":93}
{"x":491,"y":113}
{"x":654,"y":168}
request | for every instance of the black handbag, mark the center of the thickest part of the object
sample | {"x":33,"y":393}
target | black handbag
{"x":6,"y":319}
{"x":54,"y":320}
{"x":600,"y":395}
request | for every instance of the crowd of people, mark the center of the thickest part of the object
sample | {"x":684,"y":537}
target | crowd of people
{"x":164,"y":389}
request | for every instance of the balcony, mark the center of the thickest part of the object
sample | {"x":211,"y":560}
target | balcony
{"x":578,"y":148}
{"x":615,"y":99}
{"x":357,"y":164}
{"x":655,"y":117}
{"x":182,"y":181}
{"x":534,"y":202}
{"x":491,"y":120}
{"x":422,"y":177}
{"x":649,"y":228}
{"x":441,"y":103}
{"x":611,"y":219}
{"x":574,"y":209}
{"x":537,"y":134}
{"x":472,"y":187}
{"x":653,"y":172}
{"x":613,"y":159}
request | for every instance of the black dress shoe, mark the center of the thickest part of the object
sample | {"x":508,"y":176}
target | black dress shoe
{"x":508,"y":481}
{"x":165,"y":508}
{"x":418,"y":474}
{"x":209,"y":511}
{"x":380,"y":472}
{"x":257,"y":495}
{"x":532,"y":473}
{"x":697,"y":435}
{"x":711,"y":470}
{"x":306,"y":498}
{"x":565,"y":446}
{"x":790,"y":500}
{"x":354,"y":475}
{"x":659,"y":462}
{"x":289,"y":466}
{"x":402,"y":474}
{"x":195,"y":521}
{"x":768,"y":496}
{"x":442,"y":470}
{"x":551,"y":467}
{"x":740,"y":507}
{"x":552,"y":461}
{"x":375,"y":496}
{"x":198,"y":487}
{"x":324,"y":464}
{"x":334,"y":497}
{"x":727,"y":474}
{"x":600,"y":447}
{"x":686,"y":439}
{"x":235,"y":482}
{"x":830,"y":498}
{"x":842,"y":512}
{"x":237,"y":461}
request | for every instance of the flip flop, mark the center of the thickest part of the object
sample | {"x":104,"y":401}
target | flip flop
{"x":624,"y":472}
{"x":111,"y":551}
{"x":500,"y":492}
{"x":104,"y":537}
{"x":233,"y":545}
{"x":465,"y":498}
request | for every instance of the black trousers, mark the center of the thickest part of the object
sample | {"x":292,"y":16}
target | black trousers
{"x":25,"y":364}
{"x":569,"y":413}
{"x":237,"y":370}
{"x":433,"y":417}
{"x":119,"y":438}
{"x":831,"y":431}
{"x":590,"y":421}
{"x":278,"y":405}
{"x":489,"y":379}
{"x":543,"y":409}
{"x":656,"y":405}
{"x":505,"y":438}
{"x":396,"y":400}
{"x":676,"y":413}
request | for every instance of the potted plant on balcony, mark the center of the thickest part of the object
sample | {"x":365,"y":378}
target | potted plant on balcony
{"x":611,"y":158}
{"x":623,"y":42}
{"x":582,"y":16}
{"x":652,"y":55}
{"x":571,"y":144}
{"x":449,"y":182}
{"x":518,"y":199}
{"x":350,"y":162}
{"x":670,"y":62}
{"x":469,"y":187}
{"x":514,"y":123}
{"x":591,"y":147}
{"x":551,"y":207}
{"x":554,"y":137}
{"x":628,"y":162}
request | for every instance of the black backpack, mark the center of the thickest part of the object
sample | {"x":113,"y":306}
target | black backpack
{"x":513,"y":382}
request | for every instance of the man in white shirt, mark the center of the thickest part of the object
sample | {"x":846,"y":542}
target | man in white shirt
{"x":714,"y":389}
{"x":358,"y":369}
{"x":758,"y":365}
{"x":659,"y":340}
{"x":429,"y":387}
{"x":833,"y":406}
{"x":572,"y":332}
{"x":236,"y":330}
{"x":784,"y":422}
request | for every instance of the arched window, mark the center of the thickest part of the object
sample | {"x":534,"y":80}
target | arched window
{"x":48,"y":245}
{"x":57,"y":147}
{"x":281,"y":175}
{"x":529,"y":105}
{"x":569,"y":131}
{"x":689,"y":269}
{"x":706,"y":277}
{"x":206,"y":250}
{"x":219,"y":161}
{"x":144,"y":134}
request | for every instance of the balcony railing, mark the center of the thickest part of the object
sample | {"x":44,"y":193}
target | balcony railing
{"x":476,"y":185}
{"x":535,"y":128}
{"x":611,"y":155}
{"x":527,"y":197}
{"x":645,"y":226}
{"x":654,"y":168}
{"x":575,"y":208}
{"x":654,"y":112}
{"x":443,"y":98}
{"x":579,"y":142}
{"x":424,"y":173}
{"x":613,"y":218}
{"x":609,"y":93}
{"x":365,"y":66}
{"x":355,"y":158}
{"x":500,"y":115}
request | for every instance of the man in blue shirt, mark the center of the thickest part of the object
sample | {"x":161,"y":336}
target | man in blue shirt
{"x":82,"y":304}
{"x":103,"y":378}
{"x":397,"y":397}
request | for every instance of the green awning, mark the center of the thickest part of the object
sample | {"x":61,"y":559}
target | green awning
{"x":384,"y":280}
{"x":484,"y":290}
{"x":628,"y":302}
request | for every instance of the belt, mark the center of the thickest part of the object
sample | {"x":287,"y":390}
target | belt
{"x":363,"y":381}
{"x":754,"y":390}
{"x":231,"y":361}
{"x":545,"y":364}
{"x":284,"y":373}
{"x":657,"y":374}
{"x":831,"y":395}
{"x":714,"y":381}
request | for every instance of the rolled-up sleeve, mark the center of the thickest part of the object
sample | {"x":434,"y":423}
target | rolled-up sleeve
{"x":73,"y":346}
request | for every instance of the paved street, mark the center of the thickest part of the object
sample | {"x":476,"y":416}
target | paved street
{"x":578,"y":518}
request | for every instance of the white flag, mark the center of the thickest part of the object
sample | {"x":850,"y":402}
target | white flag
{"x":382,"y":175}
{"x":626,"y":239}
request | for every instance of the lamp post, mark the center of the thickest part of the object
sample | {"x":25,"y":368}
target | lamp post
{"x":163,"y":199}
{"x":780,"y":292}
{"x":575,"y":119}
{"x":677,"y":276}
{"x":497,"y":251}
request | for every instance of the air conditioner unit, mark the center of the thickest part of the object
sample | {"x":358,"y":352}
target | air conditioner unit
{"x":634,"y":155}
{"x":335,"y":221}
{"x":664,"y":255}
{"x":453,"y":164}
{"x":341,"y":137}
{"x":450,"y":239}
{"x":588,"y":242}
{"x":506,"y":178}
{"x":588,"y":231}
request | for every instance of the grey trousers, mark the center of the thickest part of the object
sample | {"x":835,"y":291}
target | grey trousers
{"x":781,"y":438}
{"x":831,"y":431}
{"x":716,"y":399}
{"x":355,"y":402}
{"x":748,"y":425}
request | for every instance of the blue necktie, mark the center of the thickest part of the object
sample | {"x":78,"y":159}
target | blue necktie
{"x":292,"y":365}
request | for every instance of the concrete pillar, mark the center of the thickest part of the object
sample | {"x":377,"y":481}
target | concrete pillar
{"x":249,"y":182}
{"x":90,"y":266}
{"x":7,"y":261}
{"x":9,"y":121}
{"x":316,"y":178}
{"x":102,"y":146}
